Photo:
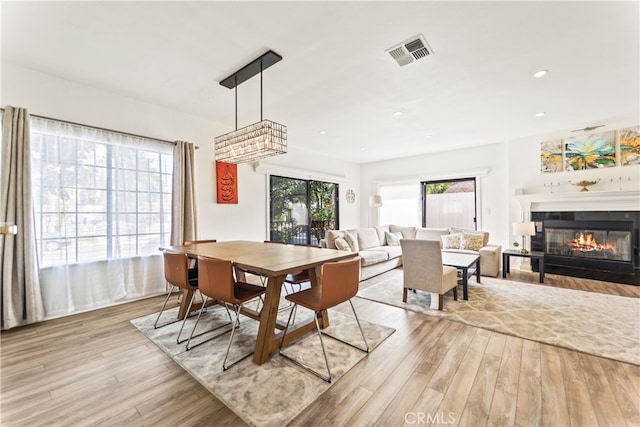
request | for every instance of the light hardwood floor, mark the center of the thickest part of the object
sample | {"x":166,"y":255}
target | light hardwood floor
{"x":96,"y":369}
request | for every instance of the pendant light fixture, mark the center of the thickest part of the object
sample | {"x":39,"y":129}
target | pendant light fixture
{"x":262,"y":139}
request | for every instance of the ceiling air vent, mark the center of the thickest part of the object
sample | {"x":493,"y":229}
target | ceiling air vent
{"x":410,"y":51}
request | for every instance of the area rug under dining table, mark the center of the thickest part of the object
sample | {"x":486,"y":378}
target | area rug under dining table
{"x":274,"y":393}
{"x":593,"y":323}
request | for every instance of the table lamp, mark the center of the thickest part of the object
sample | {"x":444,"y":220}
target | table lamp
{"x":526,"y":228}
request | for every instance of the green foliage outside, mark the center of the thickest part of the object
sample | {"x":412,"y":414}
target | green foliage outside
{"x":319,"y":196}
{"x":438,"y":188}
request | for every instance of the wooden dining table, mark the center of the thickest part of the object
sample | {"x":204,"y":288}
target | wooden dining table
{"x":273,"y":261}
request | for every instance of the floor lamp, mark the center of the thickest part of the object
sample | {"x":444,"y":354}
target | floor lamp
{"x":375,"y":201}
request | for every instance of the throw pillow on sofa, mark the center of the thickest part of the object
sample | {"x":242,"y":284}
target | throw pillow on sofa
{"x":352,"y":241}
{"x":342,"y":244}
{"x":471,"y":242}
{"x":451,"y":241}
{"x":485,"y":235}
{"x":332,"y":235}
{"x":393,"y":239}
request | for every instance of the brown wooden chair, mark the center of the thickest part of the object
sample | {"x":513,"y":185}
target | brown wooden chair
{"x":176,"y":273}
{"x":193,"y":268}
{"x":339,"y":284}
{"x":216,"y":281}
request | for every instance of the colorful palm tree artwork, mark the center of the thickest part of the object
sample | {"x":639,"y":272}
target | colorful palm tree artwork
{"x":551,"y":156}
{"x":593,"y":152}
{"x":629,"y":146}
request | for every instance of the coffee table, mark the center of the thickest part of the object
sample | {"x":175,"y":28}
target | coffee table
{"x":464,"y":263}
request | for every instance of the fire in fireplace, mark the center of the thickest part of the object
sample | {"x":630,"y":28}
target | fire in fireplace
{"x":586,"y":242}
{"x":570,"y":239}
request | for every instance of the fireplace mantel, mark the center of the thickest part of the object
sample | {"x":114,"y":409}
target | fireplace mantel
{"x":580,"y":201}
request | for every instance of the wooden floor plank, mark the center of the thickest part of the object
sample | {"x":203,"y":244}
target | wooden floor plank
{"x":552,"y":390}
{"x":529,"y":406}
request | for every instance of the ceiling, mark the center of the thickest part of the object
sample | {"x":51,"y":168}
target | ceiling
{"x":477,"y":87}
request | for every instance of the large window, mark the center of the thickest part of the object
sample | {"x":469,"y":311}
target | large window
{"x":400,"y":204}
{"x":449,"y":203}
{"x":301,"y":210}
{"x":98,"y":195}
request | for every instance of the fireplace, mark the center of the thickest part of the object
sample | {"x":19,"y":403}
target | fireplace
{"x":589,"y":244}
{"x":579,"y":242}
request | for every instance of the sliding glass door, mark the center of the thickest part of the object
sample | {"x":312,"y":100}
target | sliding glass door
{"x":449,"y":203}
{"x":302,"y":210}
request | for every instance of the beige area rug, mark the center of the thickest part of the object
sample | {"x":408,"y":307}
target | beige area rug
{"x":274,"y":393}
{"x":602,"y":325}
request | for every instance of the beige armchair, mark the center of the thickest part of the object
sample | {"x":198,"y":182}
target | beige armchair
{"x":423,"y":270}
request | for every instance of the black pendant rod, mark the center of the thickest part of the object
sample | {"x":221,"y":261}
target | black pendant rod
{"x":236,"y":86}
{"x":251,"y":69}
{"x":260,"y":90}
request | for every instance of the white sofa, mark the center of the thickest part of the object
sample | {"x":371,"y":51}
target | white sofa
{"x":377,"y":256}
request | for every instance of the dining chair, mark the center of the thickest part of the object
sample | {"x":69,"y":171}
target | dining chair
{"x":339,"y":283}
{"x":216,"y":280}
{"x":176,"y":266}
{"x":193,"y":269}
{"x":422,"y":269}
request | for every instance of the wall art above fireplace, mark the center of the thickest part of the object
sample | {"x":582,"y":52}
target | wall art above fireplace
{"x":591,"y":151}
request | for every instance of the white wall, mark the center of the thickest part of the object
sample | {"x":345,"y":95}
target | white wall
{"x":492,"y":186}
{"x":49,"y":96}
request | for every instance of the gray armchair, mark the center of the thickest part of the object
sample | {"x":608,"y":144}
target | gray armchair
{"x":423,"y":270}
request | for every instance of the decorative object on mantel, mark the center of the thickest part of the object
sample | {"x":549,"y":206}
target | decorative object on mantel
{"x":612,"y":148}
{"x":262,"y":139}
{"x":227,"y":183}
{"x":620,"y":179}
{"x":551,"y":185}
{"x":525,"y":228}
{"x":8,"y":228}
{"x":350,"y":196}
{"x":584,"y":184}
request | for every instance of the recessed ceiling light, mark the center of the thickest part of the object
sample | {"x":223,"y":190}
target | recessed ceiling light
{"x":427,"y":136}
{"x":323,"y":132}
{"x":397,"y":113}
{"x":540,"y":114}
{"x":540,"y":73}
{"x":363,"y":149}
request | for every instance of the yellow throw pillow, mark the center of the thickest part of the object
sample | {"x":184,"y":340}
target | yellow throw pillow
{"x":471,"y":242}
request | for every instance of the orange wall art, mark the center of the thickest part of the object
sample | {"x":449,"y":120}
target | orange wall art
{"x":227,"y":182}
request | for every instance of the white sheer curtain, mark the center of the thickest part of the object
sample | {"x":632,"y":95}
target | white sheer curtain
{"x":103,"y":209}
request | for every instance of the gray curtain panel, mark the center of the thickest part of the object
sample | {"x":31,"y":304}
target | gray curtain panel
{"x":21,"y":296}
{"x":183,"y":201}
